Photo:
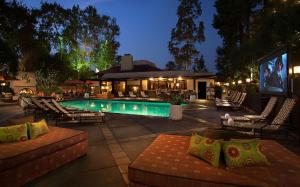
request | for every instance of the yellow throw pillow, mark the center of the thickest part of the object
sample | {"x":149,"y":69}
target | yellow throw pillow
{"x":205,"y":148}
{"x":13,"y":133}
{"x":244,"y":153}
{"x":37,"y":129}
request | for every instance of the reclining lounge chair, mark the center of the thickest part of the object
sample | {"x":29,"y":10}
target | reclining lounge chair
{"x":264,"y":115}
{"x":277,"y":124}
{"x":82,"y":116}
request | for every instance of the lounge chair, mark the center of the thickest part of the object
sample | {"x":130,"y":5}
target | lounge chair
{"x":27,"y":105}
{"x":82,"y":116}
{"x":70,"y":109}
{"x":52,"y":108}
{"x":120,"y":94}
{"x":144,"y":95}
{"x":263,"y":116}
{"x":236,"y":104}
{"x":131,"y":94}
{"x":277,"y":124}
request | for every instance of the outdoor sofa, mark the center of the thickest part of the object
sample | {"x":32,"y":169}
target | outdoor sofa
{"x":166,"y":163}
{"x":22,"y":162}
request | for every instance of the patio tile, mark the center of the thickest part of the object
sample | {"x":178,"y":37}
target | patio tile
{"x":134,"y":148}
{"x":127,"y":132}
{"x":122,"y":161}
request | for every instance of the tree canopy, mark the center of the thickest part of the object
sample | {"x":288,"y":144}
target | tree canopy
{"x":72,"y":41}
{"x":251,"y":29}
{"x":189,"y":32}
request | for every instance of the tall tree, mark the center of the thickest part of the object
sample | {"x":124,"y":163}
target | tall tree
{"x":233,"y":21}
{"x":199,"y":65}
{"x":189,"y":32}
{"x":170,"y":66}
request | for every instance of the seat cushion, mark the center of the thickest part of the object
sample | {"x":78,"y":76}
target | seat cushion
{"x":12,"y":154}
{"x":166,"y":163}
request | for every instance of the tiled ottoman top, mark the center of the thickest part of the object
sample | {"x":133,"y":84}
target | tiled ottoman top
{"x":166,"y":163}
{"x":12,"y":154}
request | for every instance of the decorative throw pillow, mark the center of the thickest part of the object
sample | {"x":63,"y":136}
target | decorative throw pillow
{"x":37,"y":129}
{"x":206,"y":149}
{"x":243,"y":153}
{"x":13,"y":133}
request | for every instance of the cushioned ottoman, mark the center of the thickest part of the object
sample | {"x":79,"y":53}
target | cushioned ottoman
{"x":166,"y":163}
{"x":21,"y":162}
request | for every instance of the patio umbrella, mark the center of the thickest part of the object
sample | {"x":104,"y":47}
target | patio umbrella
{"x":89,"y":82}
{"x":73,"y":82}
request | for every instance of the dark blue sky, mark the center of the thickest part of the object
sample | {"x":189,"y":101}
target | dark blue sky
{"x":146,"y":25}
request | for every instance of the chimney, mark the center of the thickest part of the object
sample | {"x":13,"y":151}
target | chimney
{"x":126,"y":62}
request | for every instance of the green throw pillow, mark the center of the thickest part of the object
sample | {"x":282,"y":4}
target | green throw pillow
{"x":13,"y":133}
{"x":37,"y":129}
{"x":206,"y":149}
{"x":244,"y":153}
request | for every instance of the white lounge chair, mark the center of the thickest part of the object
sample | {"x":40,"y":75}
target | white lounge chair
{"x":131,"y":94}
{"x":144,"y":95}
{"x":82,"y":116}
{"x":120,"y":94}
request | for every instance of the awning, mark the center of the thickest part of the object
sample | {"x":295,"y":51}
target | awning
{"x":156,"y":74}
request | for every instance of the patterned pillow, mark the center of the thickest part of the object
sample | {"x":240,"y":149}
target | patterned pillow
{"x":37,"y":129}
{"x":13,"y":133}
{"x":206,"y":149}
{"x":244,"y":153}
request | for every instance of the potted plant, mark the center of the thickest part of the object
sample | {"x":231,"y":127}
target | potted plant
{"x":175,"y":108}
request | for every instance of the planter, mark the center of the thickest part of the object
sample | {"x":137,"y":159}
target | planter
{"x":175,"y":112}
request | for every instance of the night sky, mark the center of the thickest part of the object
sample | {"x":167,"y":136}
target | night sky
{"x":146,"y":25}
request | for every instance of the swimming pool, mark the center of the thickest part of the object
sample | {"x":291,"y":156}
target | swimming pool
{"x":122,"y":107}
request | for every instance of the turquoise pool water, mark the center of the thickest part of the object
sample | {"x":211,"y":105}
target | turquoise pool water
{"x":122,"y":107}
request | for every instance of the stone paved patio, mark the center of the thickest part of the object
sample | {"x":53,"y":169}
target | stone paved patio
{"x":117,"y":142}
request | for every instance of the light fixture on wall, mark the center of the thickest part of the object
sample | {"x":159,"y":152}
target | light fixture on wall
{"x":295,"y":73}
{"x":240,"y":82}
{"x":248,"y":80}
{"x":296,"y":69}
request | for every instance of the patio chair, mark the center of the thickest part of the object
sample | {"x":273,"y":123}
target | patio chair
{"x":82,"y":116}
{"x":277,"y":124}
{"x":52,"y":108}
{"x":120,"y":94}
{"x":231,"y":95}
{"x":131,"y":94}
{"x":232,"y":105}
{"x":70,"y":109}
{"x":27,"y":105}
{"x":263,"y":116}
{"x":39,"y":105}
{"x":144,"y":95}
